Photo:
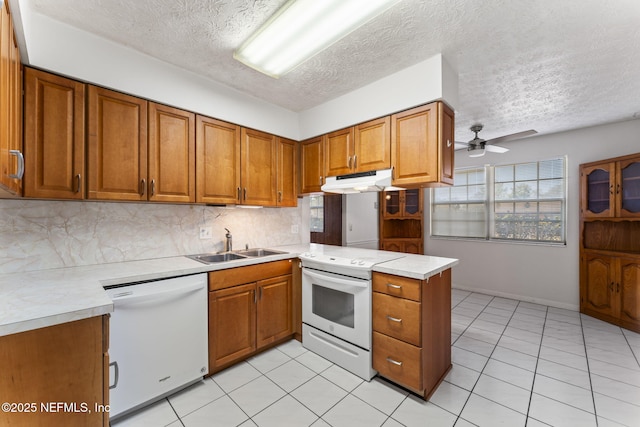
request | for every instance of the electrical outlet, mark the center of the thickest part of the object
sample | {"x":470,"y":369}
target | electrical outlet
{"x":294,"y":229}
{"x":205,"y":233}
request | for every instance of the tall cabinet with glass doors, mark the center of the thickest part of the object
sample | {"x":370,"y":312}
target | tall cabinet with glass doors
{"x":610,"y":240}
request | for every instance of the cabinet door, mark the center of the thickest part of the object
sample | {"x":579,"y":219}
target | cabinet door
{"x":414,"y":145}
{"x":628,"y":188}
{"x":338,"y":152}
{"x":61,"y":363}
{"x":274,"y":310}
{"x":232,"y":325}
{"x":412,"y":203}
{"x":311,"y":165}
{"x":372,"y":142}
{"x":391,"y":205}
{"x":258,"y":168}
{"x":54,"y":136}
{"x":10,"y":104}
{"x":630,"y":293}
{"x":597,"y":187}
{"x":598,"y":285}
{"x":218,"y":161}
{"x":447,"y":149}
{"x":287,"y":172}
{"x":392,"y":245}
{"x":117,"y":150}
{"x":172,"y":154}
{"x":413,"y":247}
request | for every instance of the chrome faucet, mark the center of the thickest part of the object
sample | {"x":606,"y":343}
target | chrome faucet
{"x":228,"y":244}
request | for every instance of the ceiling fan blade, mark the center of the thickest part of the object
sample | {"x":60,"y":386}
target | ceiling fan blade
{"x":460,"y":146}
{"x":495,"y":149}
{"x":512,"y":136}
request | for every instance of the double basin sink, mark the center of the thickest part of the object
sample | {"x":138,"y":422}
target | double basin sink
{"x":230,"y":256}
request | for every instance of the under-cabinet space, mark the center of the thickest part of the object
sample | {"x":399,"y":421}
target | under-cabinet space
{"x":615,"y":236}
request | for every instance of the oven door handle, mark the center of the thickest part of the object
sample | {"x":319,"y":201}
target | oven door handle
{"x":332,"y":279}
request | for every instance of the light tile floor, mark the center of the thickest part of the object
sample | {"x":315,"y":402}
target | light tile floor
{"x":514,"y":364}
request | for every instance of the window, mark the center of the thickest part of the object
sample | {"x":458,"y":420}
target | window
{"x":517,"y":202}
{"x":316,"y":221}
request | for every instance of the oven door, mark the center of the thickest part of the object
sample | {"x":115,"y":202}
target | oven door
{"x":339,"y":305}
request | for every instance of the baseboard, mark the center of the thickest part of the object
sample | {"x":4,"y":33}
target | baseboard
{"x":542,"y":301}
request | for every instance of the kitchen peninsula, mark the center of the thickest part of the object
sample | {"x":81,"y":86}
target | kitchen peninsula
{"x":56,"y":299}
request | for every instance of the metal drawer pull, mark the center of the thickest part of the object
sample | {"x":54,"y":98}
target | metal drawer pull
{"x":143,"y":186}
{"x":117,"y":375}
{"x":20,"y":172}
{"x":394,"y":319}
{"x":391,"y":285}
{"x":153,"y":187}
{"x":395,"y":362}
{"x":79,"y":187}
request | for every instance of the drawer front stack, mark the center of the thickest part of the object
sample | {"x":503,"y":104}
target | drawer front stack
{"x":412,"y":330}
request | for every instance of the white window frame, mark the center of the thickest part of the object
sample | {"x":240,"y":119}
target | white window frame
{"x":490,"y":206}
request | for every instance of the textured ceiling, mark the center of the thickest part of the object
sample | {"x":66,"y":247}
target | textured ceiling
{"x":547,"y":65}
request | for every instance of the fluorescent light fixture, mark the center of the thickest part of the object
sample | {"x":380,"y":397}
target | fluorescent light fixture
{"x":303,"y":28}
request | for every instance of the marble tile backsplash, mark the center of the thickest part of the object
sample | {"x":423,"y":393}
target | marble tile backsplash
{"x":38,"y":235}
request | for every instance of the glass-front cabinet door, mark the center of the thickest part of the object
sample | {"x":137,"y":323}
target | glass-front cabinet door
{"x":391,"y":204}
{"x":598,"y":198}
{"x":628,"y":188}
{"x":413,"y":203}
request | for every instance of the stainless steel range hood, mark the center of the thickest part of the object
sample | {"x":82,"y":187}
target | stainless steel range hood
{"x":361,"y":182}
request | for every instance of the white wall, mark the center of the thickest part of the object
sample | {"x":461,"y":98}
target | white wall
{"x":536,"y":273}
{"x":424,"y":82}
{"x":360,"y":220}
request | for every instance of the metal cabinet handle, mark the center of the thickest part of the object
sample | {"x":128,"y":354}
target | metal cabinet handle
{"x":245,"y":194}
{"x":355,"y":161}
{"x":320,"y":180}
{"x":117,"y":375}
{"x":255,"y":296}
{"x":395,"y":362}
{"x":611,"y":189}
{"x":20,"y":172}
{"x":610,"y":287}
{"x":391,"y":285}
{"x":280,"y":196}
{"x":394,"y":319}
{"x":349,"y":162}
{"x":239,"y":193}
{"x":79,"y":183}
{"x":143,"y":186}
{"x":448,"y":143}
{"x":153,"y":187}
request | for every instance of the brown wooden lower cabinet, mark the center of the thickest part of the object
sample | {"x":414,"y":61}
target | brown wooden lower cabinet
{"x":610,"y":289}
{"x":249,"y":309}
{"x":57,"y":375}
{"x":412,"y":330}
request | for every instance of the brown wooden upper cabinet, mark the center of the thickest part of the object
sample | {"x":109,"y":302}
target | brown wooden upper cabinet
{"x":258,"y":168}
{"x":123,"y":164}
{"x":11,"y":161}
{"x":311,"y":165}
{"x":218,"y":161}
{"x":54,"y":136}
{"x":172,"y":154}
{"x":422,"y":146}
{"x":287,"y":173}
{"x":611,"y":188}
{"x":360,"y":148}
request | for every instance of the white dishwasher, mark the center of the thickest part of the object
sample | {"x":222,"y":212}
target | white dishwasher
{"x":158,"y":339}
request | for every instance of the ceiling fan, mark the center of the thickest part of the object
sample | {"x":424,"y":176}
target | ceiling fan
{"x":479,"y":146}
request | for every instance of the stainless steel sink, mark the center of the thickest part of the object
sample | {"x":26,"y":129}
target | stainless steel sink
{"x":259,"y":252}
{"x":215,"y":258}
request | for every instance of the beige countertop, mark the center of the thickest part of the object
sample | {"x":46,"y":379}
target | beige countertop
{"x":37,"y":299}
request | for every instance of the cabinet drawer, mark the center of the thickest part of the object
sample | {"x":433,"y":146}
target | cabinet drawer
{"x":397,"y":286}
{"x":397,"y":361}
{"x":397,"y":317}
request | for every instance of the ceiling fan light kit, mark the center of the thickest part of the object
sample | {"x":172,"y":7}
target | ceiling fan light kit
{"x":301,"y":29}
{"x":478,"y":147}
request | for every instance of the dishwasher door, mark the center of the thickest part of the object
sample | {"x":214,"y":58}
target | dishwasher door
{"x":158,"y":340}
